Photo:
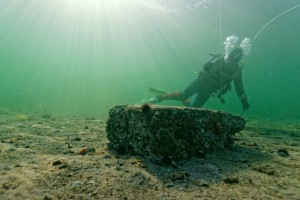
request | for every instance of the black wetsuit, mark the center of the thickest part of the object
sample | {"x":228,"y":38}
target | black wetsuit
{"x":216,"y":74}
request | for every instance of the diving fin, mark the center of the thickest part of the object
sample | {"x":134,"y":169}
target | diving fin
{"x":155,"y":99}
{"x":142,"y":102}
{"x":148,"y":101}
{"x":157,"y":91}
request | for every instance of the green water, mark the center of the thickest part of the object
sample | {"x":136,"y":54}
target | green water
{"x":85,"y":56}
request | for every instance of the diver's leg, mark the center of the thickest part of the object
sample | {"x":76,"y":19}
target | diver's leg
{"x":200,"y":100}
{"x":173,"y":96}
{"x":161,"y":97}
{"x":192,"y":89}
{"x":182,"y":96}
{"x":169,"y":96}
{"x":196,"y":86}
{"x":204,"y":92}
{"x":204,"y":86}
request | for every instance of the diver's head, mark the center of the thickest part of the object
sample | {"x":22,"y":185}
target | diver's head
{"x":236,"y":55}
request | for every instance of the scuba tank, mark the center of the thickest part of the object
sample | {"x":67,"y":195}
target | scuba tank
{"x":208,"y":67}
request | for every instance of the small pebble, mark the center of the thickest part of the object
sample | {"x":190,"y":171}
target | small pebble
{"x":64,"y":165}
{"x":12,"y":149}
{"x":83,"y":151}
{"x":77,"y":139}
{"x":231,"y":180}
{"x":283,"y":153}
{"x":58,"y":162}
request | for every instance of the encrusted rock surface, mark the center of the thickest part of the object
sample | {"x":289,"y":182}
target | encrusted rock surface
{"x":165,"y":133}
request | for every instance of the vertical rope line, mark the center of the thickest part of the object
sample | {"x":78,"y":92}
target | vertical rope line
{"x":221,"y":45}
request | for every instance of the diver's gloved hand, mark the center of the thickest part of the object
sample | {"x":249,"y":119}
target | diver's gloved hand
{"x":245,"y":103}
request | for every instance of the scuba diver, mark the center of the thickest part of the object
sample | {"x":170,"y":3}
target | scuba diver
{"x":215,"y":79}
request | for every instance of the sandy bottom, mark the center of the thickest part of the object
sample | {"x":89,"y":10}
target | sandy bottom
{"x":40,"y":159}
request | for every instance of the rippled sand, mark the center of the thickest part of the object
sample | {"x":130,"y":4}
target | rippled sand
{"x":40,"y":159}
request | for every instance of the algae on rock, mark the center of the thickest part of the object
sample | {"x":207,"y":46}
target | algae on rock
{"x":165,"y":133}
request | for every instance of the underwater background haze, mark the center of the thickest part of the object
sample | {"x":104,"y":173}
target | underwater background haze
{"x":82,"y":57}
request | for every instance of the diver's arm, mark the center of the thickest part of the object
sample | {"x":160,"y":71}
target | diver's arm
{"x":238,"y":84}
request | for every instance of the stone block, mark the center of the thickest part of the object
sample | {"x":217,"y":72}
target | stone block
{"x":166,"y":133}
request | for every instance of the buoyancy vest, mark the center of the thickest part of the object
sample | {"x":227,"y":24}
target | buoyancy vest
{"x":217,"y":68}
